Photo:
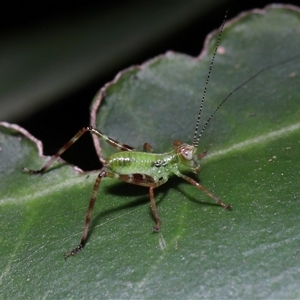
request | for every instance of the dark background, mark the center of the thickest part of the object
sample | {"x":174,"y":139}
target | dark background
{"x":55,"y":123}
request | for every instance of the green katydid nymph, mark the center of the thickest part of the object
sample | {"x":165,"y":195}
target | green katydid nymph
{"x":147,"y":168}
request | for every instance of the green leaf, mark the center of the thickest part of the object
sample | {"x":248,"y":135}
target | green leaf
{"x":202,"y":251}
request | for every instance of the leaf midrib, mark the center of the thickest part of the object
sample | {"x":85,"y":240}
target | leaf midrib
{"x":256,"y":141}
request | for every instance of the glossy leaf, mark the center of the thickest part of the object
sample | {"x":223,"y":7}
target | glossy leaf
{"x":202,"y":250}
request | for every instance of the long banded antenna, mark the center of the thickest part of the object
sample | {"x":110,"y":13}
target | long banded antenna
{"x":240,"y":86}
{"x":196,"y":139}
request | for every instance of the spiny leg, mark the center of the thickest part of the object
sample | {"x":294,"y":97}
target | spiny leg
{"x":112,"y":142}
{"x":88,"y":216}
{"x":202,"y":188}
{"x":154,"y":210}
{"x":148,"y":181}
{"x":59,"y":152}
{"x":117,"y":145}
{"x":153,"y":203}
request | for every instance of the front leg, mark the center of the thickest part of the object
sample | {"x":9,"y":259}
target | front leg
{"x":202,"y":155}
{"x":202,"y":188}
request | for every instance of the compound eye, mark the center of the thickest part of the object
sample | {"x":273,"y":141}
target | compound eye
{"x":187,"y":154}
